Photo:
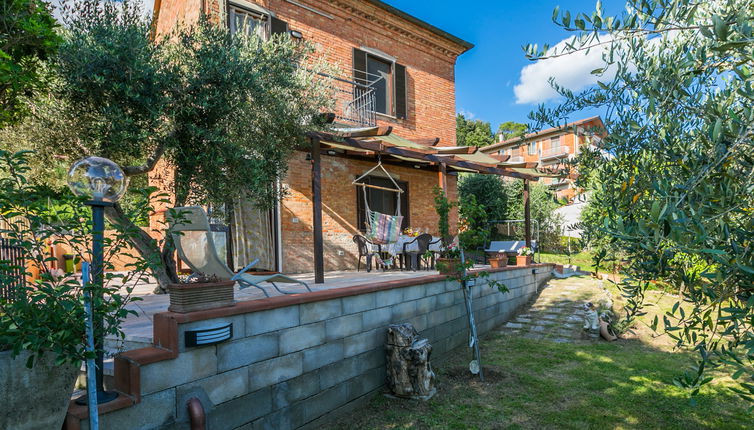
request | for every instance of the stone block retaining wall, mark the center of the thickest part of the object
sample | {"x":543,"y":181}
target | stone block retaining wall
{"x":293,"y":360}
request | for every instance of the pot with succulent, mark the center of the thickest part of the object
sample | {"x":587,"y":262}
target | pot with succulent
{"x":42,"y":329}
{"x":200,"y":292}
{"x":498,"y":260}
{"x":525,"y":256}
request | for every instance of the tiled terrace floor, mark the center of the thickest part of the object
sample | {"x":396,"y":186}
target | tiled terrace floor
{"x":139,"y":327}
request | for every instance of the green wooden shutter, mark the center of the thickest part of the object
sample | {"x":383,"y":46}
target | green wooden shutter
{"x":360,"y":67}
{"x":399,"y":84}
{"x":278,"y":26}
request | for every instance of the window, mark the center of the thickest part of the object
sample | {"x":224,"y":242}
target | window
{"x":242,"y":20}
{"x":555,"y":142}
{"x":253,"y":19}
{"x":386,"y":78}
{"x":532,"y":148}
{"x":381,"y":200}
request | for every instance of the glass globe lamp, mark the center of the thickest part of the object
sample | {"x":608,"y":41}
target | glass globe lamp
{"x":97,"y":178}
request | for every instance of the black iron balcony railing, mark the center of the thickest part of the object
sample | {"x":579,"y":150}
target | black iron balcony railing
{"x":354,"y":103}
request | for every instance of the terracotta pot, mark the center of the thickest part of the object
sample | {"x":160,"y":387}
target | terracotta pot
{"x":35,"y":398}
{"x":186,"y":298}
{"x":496,"y":262}
{"x":523,"y":260}
{"x":448,"y":266}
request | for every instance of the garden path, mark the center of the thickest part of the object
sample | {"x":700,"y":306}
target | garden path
{"x":557,"y":313}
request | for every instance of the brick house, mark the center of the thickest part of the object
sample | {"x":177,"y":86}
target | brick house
{"x":550,"y":147}
{"x":396,"y":75}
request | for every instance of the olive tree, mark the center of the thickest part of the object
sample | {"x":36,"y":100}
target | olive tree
{"x":222,"y":111}
{"x":675,"y":174}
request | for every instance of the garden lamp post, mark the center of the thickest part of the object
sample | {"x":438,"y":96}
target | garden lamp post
{"x":103,"y":183}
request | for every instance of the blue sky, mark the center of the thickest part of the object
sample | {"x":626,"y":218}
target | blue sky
{"x":487,"y":75}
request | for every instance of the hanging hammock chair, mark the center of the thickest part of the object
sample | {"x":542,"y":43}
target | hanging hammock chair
{"x":381,"y":228}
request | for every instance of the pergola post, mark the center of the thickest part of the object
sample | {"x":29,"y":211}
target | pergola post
{"x":319,"y":249}
{"x":527,"y":214}
{"x":442,"y":177}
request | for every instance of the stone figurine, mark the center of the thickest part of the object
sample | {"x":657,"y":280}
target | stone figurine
{"x":591,"y":319}
{"x":409,"y":372}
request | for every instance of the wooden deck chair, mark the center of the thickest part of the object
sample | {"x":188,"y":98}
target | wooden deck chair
{"x":195,"y":246}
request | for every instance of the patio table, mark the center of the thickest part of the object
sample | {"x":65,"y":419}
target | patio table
{"x":396,"y":248}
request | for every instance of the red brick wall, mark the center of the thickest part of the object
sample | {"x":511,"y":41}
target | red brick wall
{"x":339,"y":209}
{"x":430,"y":59}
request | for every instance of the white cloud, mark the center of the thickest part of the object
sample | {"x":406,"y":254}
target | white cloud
{"x":467,"y":114}
{"x":572,"y":71}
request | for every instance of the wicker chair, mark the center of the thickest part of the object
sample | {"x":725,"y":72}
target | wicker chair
{"x":362,"y":244}
{"x":417,"y":257}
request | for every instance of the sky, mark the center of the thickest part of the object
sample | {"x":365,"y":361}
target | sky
{"x":494,"y":80}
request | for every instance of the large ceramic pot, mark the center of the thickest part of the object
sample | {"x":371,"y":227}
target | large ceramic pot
{"x":35,"y":398}
{"x":523,"y":260}
{"x":448,"y":266}
{"x":200,"y":296}
{"x":498,"y":261}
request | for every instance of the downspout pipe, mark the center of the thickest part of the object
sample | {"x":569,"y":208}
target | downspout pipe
{"x":196,"y":414}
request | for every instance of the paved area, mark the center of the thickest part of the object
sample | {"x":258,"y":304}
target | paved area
{"x":138,"y":327}
{"x":557,"y":313}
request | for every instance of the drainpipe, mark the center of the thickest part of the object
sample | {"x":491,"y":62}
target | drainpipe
{"x":196,"y":414}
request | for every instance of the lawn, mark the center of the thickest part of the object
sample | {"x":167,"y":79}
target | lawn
{"x":537,"y":383}
{"x":582,"y":259}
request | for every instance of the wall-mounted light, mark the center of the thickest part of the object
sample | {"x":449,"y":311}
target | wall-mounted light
{"x":416,"y":166}
{"x":296,"y":34}
{"x":331,"y":152}
{"x":208,"y":336}
{"x":308,"y":156}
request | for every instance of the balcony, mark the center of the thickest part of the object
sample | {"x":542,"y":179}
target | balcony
{"x":516,"y":159}
{"x":354,"y":102}
{"x":552,"y":153}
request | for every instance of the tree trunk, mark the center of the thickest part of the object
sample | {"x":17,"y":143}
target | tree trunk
{"x":145,"y":245}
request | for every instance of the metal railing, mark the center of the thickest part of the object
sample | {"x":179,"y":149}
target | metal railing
{"x":355,"y":102}
{"x":516,"y":159}
{"x":558,"y":151}
{"x":12,"y":270}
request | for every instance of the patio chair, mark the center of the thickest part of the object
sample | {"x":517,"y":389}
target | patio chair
{"x":195,"y":246}
{"x":363,"y":246}
{"x":422,"y":241}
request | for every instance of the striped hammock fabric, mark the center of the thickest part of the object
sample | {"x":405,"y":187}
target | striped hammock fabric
{"x":382,"y":228}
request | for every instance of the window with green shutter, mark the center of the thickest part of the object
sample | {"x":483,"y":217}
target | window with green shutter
{"x":386,"y":78}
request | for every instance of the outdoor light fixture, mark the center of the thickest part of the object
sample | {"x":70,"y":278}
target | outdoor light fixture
{"x":103,"y":183}
{"x":208,"y":336}
{"x":296,"y":34}
{"x":416,"y":166}
{"x":331,"y":152}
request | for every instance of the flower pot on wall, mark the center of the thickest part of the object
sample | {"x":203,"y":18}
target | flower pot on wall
{"x":523,"y":260}
{"x":35,"y":398}
{"x":200,"y":296}
{"x":498,"y":261}
{"x":448,"y":266}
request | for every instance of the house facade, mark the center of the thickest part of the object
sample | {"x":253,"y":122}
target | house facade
{"x":550,"y":148}
{"x":393,"y":70}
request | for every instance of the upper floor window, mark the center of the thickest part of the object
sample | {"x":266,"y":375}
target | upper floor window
{"x":555,"y":142}
{"x":253,"y":19}
{"x":249,"y":22}
{"x":533,"y":148}
{"x":386,"y":78}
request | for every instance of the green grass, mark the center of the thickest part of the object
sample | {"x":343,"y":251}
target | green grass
{"x":582,"y":259}
{"x":540,"y":384}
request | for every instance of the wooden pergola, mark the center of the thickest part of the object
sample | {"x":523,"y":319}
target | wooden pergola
{"x":371,"y":143}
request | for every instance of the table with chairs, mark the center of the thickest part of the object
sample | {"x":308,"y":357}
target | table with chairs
{"x":406,"y":253}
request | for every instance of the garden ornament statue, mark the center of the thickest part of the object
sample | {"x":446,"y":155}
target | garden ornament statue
{"x":103,"y":183}
{"x":591,"y":318}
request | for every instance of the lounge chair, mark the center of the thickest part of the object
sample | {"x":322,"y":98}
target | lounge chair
{"x":195,"y":246}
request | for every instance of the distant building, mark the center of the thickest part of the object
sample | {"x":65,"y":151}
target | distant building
{"x":550,"y":148}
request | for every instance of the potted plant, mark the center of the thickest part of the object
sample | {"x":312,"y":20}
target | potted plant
{"x":200,"y":292}
{"x":449,"y":262}
{"x":524,"y":257}
{"x":42,"y":331}
{"x":499,"y":260}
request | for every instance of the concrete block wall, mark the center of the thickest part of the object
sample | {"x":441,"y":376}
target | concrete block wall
{"x":293,"y":366}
